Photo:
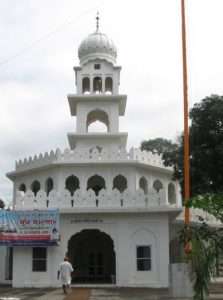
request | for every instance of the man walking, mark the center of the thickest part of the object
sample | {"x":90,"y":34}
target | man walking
{"x":64,"y":273}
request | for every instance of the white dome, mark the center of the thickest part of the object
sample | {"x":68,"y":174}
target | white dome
{"x":97,"y":45}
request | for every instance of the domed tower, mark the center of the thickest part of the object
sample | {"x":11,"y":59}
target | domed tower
{"x":109,"y":199}
{"x":97,"y":97}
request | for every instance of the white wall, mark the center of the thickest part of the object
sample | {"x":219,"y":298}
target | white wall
{"x":22,"y":268}
{"x":3,"y":254}
{"x":126,"y":231}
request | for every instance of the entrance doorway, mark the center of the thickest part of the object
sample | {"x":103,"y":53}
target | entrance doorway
{"x":92,"y":255}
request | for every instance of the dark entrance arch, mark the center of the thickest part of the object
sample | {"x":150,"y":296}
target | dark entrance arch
{"x":92,"y":255}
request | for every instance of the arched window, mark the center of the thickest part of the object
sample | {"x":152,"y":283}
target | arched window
{"x":143,"y":184}
{"x":96,"y":183}
{"x":22,"y":188}
{"x":99,"y":118}
{"x":35,"y":187}
{"x":108,"y":85}
{"x":48,"y":185}
{"x":97,"y":147}
{"x":86,"y":85}
{"x":72,"y":184}
{"x":157,"y":185}
{"x":97,"y":85}
{"x":120,"y":183}
{"x":171,"y":194}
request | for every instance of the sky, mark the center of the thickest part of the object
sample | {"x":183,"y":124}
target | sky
{"x":39,"y":42}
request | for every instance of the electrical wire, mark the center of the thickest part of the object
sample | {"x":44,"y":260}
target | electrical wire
{"x":51,"y":34}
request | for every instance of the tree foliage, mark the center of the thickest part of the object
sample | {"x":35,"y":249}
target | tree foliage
{"x":205,"y":245}
{"x":158,"y":145}
{"x":2,"y":203}
{"x":206,"y":143}
{"x":206,"y":148}
{"x":209,"y":202}
{"x":206,"y":185}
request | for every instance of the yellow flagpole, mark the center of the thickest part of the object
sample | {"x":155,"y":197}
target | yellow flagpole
{"x":186,"y":129}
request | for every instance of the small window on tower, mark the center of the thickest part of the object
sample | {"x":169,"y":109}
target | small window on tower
{"x":97,"y":66}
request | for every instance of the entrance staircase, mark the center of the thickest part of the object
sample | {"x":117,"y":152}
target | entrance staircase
{"x":216,"y":288}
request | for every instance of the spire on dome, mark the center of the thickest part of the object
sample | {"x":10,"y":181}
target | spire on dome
{"x":97,"y":45}
{"x":97,"y":21}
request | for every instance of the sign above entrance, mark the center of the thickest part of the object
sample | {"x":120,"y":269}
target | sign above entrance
{"x":85,"y":220}
{"x":29,"y":228}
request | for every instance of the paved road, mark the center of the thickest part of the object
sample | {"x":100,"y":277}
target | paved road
{"x":31,"y":294}
{"x":96,"y":294}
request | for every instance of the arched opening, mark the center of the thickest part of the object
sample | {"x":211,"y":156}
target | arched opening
{"x":35,"y":187}
{"x":108,"y":86}
{"x":86,"y":85}
{"x":143,"y":184}
{"x":72,"y":184}
{"x":96,"y":183}
{"x":92,"y":255}
{"x":97,"y":85}
{"x":100,"y":118}
{"x":22,"y":188}
{"x":96,"y":147}
{"x":171,"y":194}
{"x":120,"y":183}
{"x":157,"y":185}
{"x":48,"y":185}
{"x":97,"y":126}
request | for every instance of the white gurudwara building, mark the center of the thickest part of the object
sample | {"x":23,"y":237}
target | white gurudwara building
{"x":116,"y":206}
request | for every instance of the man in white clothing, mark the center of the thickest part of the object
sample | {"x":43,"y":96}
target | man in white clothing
{"x":64,"y":273}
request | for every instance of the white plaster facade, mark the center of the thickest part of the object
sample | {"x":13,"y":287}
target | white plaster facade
{"x":126,"y":199}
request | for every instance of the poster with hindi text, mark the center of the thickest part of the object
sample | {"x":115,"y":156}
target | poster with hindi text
{"x":29,"y":228}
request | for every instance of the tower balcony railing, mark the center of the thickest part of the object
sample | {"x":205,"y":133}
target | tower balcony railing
{"x":135,"y":154}
{"x":90,"y":199}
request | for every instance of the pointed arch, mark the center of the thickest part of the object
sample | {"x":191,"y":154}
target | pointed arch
{"x":72,"y":184}
{"x":108,"y":85}
{"x":157,"y":185}
{"x":96,"y":183}
{"x":86,"y":85}
{"x":143,"y":184}
{"x":120,"y":183}
{"x":97,"y":115}
{"x":49,"y":185}
{"x":171,"y":194}
{"x":22,"y":187}
{"x":97,"y":85}
{"x":35,"y":187}
{"x":92,"y":254}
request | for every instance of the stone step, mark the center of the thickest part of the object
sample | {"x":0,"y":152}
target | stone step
{"x":216,"y":288}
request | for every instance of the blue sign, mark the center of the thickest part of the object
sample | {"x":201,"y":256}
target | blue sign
{"x":29,"y":228}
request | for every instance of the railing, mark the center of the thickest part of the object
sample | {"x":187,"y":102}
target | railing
{"x":78,"y":155}
{"x":195,"y":212}
{"x":89,"y":199}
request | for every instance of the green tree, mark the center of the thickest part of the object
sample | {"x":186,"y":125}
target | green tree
{"x":206,"y":148}
{"x":158,"y":145}
{"x":206,"y":186}
{"x":206,"y":143}
{"x":206,"y":243}
{"x":2,"y":203}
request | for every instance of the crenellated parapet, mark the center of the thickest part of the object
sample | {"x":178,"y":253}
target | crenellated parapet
{"x":36,"y":161}
{"x":89,"y":199}
{"x":135,"y":154}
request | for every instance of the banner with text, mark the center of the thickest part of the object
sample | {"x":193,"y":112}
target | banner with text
{"x":29,"y":228}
